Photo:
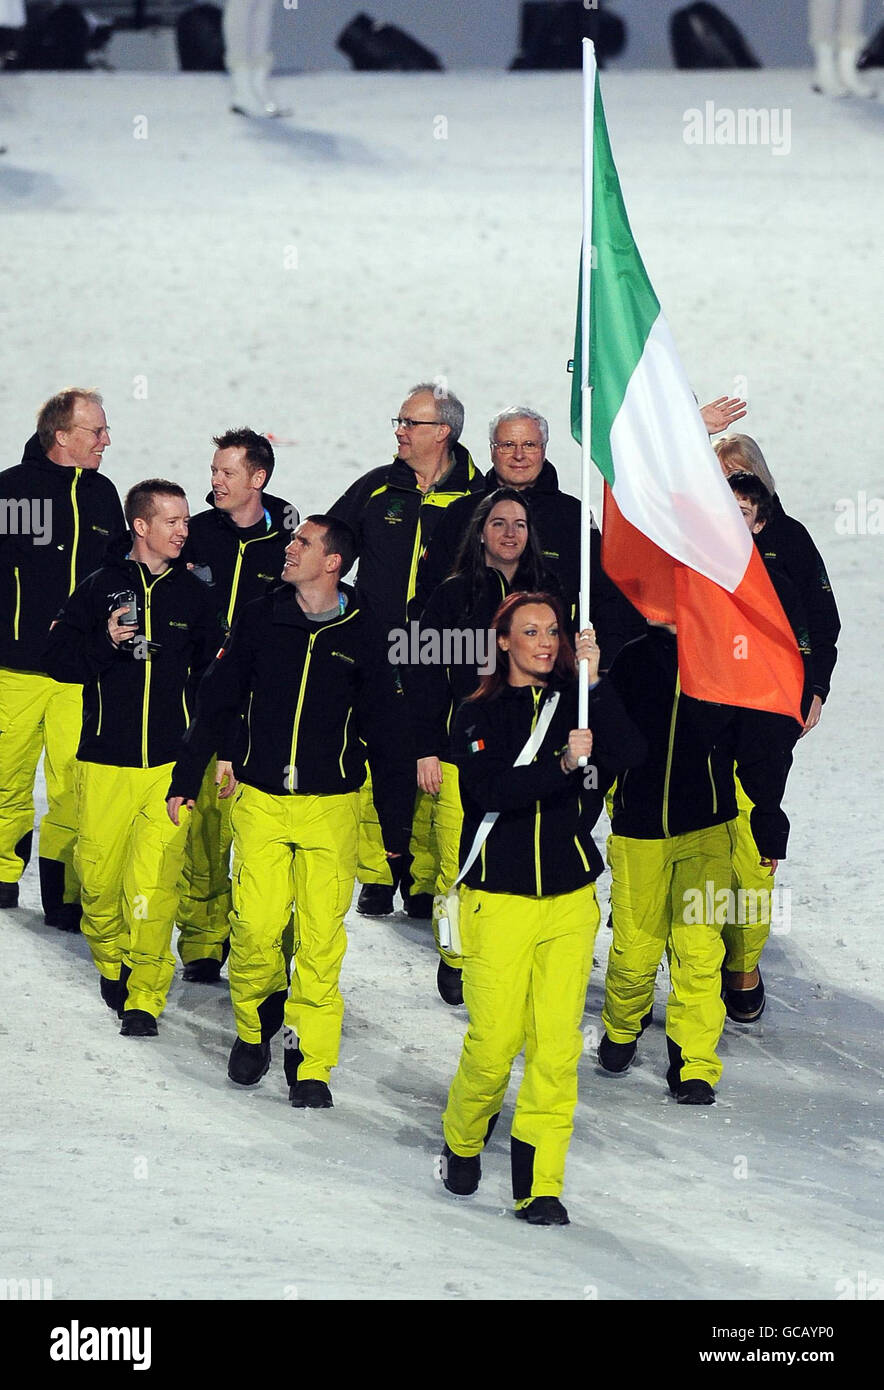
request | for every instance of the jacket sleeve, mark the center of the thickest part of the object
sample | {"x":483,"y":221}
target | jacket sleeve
{"x":220,"y":701}
{"x":615,"y":620}
{"x":78,"y":645}
{"x":485,"y":763}
{"x":763,"y":757}
{"x":383,"y":724}
{"x":823,"y":621}
{"x":350,"y":506}
{"x":616,"y":741}
{"x":427,"y":690}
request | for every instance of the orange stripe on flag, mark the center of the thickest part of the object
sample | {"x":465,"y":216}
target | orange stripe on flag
{"x":733,"y":649}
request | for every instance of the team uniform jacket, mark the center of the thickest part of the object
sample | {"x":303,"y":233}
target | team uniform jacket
{"x":239,"y":562}
{"x":786,"y":545}
{"x":311,"y":696}
{"x":686,"y":782}
{"x":35,"y":579}
{"x":541,"y":843}
{"x":556,"y":515}
{"x":136,"y":708}
{"x":393,"y":522}
{"x":435,"y":690}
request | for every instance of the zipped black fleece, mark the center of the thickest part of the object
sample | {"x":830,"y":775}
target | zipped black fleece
{"x":786,"y":545}
{"x":393,"y":522}
{"x":136,"y":703}
{"x":79,"y":514}
{"x":290,"y":701}
{"x":541,"y":843}
{"x":687,"y":780}
{"x":242,"y":561}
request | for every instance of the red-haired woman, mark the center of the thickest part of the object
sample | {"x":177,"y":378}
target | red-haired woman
{"x":528,"y":911}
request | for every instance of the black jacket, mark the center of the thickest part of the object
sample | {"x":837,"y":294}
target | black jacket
{"x":293,"y":703}
{"x":786,"y":545}
{"x":393,"y":522}
{"x":136,"y":703}
{"x":434,"y":689}
{"x":81,"y":513}
{"x":556,"y":515}
{"x":239,"y":562}
{"x":541,"y":844}
{"x":686,"y":782}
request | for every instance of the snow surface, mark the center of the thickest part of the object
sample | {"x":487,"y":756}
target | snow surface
{"x":299,"y":276}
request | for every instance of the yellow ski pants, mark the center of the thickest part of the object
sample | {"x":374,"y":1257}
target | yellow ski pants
{"x":205,"y":901}
{"x":661,"y":895}
{"x":37,"y":714}
{"x":525,"y":972}
{"x":374,"y":866}
{"x":446,"y":824}
{"x":129,"y":856}
{"x":745,"y":939}
{"x":287,"y":849}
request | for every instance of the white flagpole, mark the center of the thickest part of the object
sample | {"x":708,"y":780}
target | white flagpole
{"x":589,"y":78}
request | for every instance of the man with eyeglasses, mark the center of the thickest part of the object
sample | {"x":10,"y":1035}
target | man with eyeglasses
{"x":519,"y":438}
{"x":393,"y":511}
{"x":57,"y":516}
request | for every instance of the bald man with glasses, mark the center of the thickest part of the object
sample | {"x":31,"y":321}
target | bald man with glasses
{"x":58,"y":515}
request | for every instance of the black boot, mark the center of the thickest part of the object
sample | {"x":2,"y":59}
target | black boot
{"x":138,"y":1024}
{"x":743,"y":1005}
{"x":248,"y":1062}
{"x":460,"y":1175}
{"x":66,"y":918}
{"x":205,"y":971}
{"x":449,"y":982}
{"x":614,"y":1056}
{"x":695,"y":1092}
{"x":375,"y":900}
{"x":8,"y":895}
{"x":110,"y":993}
{"x":292,"y":1056}
{"x":310,"y":1095}
{"x":543,"y":1211}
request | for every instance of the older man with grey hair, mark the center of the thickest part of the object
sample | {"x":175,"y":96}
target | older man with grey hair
{"x":393,"y":511}
{"x":518,"y":438}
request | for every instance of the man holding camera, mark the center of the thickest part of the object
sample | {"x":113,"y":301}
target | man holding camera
{"x":138,"y":633}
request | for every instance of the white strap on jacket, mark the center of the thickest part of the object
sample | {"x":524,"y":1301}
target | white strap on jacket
{"x":527,"y":755}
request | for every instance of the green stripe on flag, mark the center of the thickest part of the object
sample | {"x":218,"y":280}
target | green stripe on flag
{"x":623,"y":308}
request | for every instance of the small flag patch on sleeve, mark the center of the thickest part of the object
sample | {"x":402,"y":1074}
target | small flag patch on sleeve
{"x":477,"y":745}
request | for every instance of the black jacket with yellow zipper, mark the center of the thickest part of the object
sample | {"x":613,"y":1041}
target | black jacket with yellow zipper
{"x":56,"y":527}
{"x":137,"y":701}
{"x":393,"y":522}
{"x":541,"y":843}
{"x":686,"y":782}
{"x":239,"y":562}
{"x":293,"y":704}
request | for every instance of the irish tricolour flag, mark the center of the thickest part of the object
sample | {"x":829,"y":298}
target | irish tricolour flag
{"x":673,"y":538}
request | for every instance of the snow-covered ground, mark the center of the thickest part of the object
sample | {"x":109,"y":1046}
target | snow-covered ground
{"x":299,"y":276}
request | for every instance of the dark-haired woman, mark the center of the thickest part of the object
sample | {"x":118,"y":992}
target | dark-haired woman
{"x":500,"y":553}
{"x":528,"y":911}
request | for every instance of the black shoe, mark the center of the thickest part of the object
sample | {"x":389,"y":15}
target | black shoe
{"x":543,"y":1211}
{"x":375,"y":900}
{"x":449,"y":982}
{"x":292,"y":1056}
{"x":614,"y":1056}
{"x":695,"y":1092}
{"x":204,"y":971}
{"x":66,"y":918}
{"x":8,"y":895}
{"x":460,"y":1175}
{"x":248,"y":1062}
{"x":138,"y":1024}
{"x":647,"y":1020}
{"x":744,"y":1005}
{"x":110,"y":992}
{"x":310,"y":1095}
{"x":419,"y":906}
